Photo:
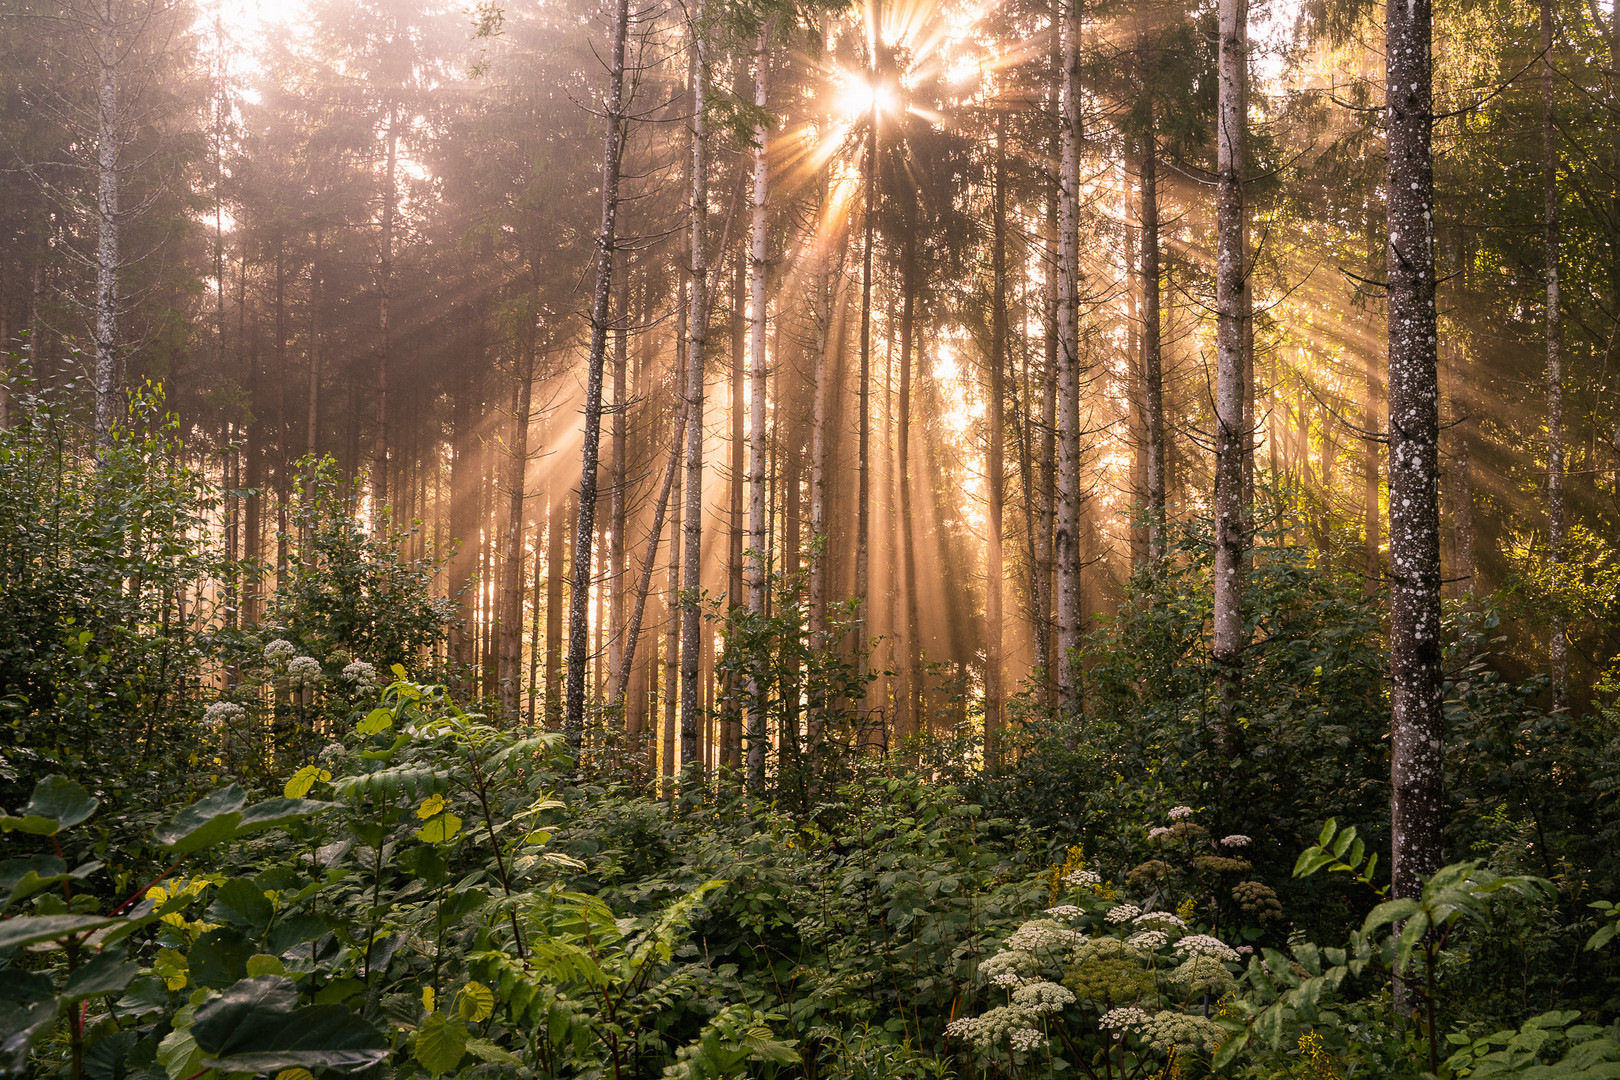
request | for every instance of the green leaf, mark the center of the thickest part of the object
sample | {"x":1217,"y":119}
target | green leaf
{"x":274,"y":813}
{"x":28,"y":1010}
{"x":57,"y":803}
{"x":241,"y":903}
{"x":210,"y":820}
{"x":301,"y":781}
{"x":107,"y":973}
{"x":441,"y":1043}
{"x":441,"y":828}
{"x":253,"y":1027}
{"x":1310,"y":861}
{"x":376,"y":722}
{"x":219,"y":958}
{"x":22,"y":878}
{"x":33,"y":929}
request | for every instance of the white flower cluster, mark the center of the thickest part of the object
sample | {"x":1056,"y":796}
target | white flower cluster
{"x":1025,"y":1039}
{"x":1042,"y":935}
{"x":1203,"y":975}
{"x":1082,"y":879}
{"x":1122,"y":913}
{"x":1187,"y":1032}
{"x":304,"y":670}
{"x":1204,"y":945}
{"x":1009,"y":967}
{"x":279,"y":649}
{"x":1129,"y":1018}
{"x":1064,"y":911}
{"x":1158,"y":831}
{"x":1042,"y":997}
{"x":1149,"y":940}
{"x":1001,"y":1022}
{"x":223,"y":712}
{"x":1235,"y":840}
{"x":360,"y":673}
{"x":1179,"y":812}
{"x":1162,"y":920}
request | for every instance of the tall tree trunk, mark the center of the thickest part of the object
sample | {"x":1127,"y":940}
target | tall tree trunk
{"x":511,"y":629}
{"x":1370,"y":424}
{"x":644,"y":583}
{"x":108,"y":166}
{"x":556,"y":562}
{"x":606,"y":247}
{"x":1232,"y":313}
{"x":731,"y":733}
{"x":1152,"y":352}
{"x":1066,"y":537}
{"x":758,"y":253}
{"x":696,"y":341}
{"x":316,"y":300}
{"x":908,"y":684}
{"x":863,"y":419}
{"x":995,"y":458}
{"x":385,"y":285}
{"x":1416,"y":722}
{"x":618,"y":569}
{"x":1557,"y":641}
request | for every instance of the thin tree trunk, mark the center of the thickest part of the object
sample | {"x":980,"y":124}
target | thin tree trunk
{"x":644,"y":583}
{"x":511,"y":629}
{"x":1152,"y":352}
{"x":1557,"y":641}
{"x":1369,"y":424}
{"x":385,"y":284}
{"x":995,"y":459}
{"x":757,"y":283}
{"x":556,"y":563}
{"x":1232,"y":313}
{"x":618,"y":569}
{"x":696,"y":342}
{"x":863,"y":419}
{"x":606,"y":247}
{"x":907,"y":685}
{"x":1416,"y":722}
{"x":108,"y":147}
{"x":1066,"y":537}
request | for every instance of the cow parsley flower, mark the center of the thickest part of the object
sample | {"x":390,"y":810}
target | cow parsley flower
{"x":1009,"y":963}
{"x":1158,"y":831}
{"x":1082,"y":879}
{"x":1064,"y":911}
{"x":1203,"y":975}
{"x":1128,"y":1018}
{"x":1000,"y":1023}
{"x":1187,"y":1032}
{"x":1235,"y":840}
{"x":223,"y":712}
{"x":1025,"y":1039}
{"x":1122,"y":913}
{"x":279,"y":649}
{"x":304,"y":670}
{"x":1204,"y":945}
{"x":1149,"y":940}
{"x":1162,"y":920}
{"x":1179,"y":812}
{"x":1042,"y":997}
{"x":1042,"y":935}
{"x":360,"y":673}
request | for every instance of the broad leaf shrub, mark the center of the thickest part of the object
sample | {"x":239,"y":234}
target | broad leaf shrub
{"x":396,"y":905}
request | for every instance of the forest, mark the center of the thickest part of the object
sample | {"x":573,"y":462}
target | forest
{"x":873,"y":539}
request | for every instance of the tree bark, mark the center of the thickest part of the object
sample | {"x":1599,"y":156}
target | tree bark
{"x":696,"y":342}
{"x":1152,"y":353}
{"x":606,"y":246}
{"x":1416,"y":728}
{"x":511,"y":630}
{"x":995,"y":458}
{"x":1066,"y":533}
{"x":385,"y":284}
{"x":1557,"y":640}
{"x":1232,"y":313}
{"x":757,"y":448}
{"x":108,"y":148}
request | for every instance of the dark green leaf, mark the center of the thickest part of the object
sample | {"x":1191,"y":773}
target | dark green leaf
{"x":208,"y":821}
{"x":32,"y":929}
{"x":28,"y":1009}
{"x":107,"y":973}
{"x":241,"y":903}
{"x":219,"y":958}
{"x":253,"y":1027}
{"x":22,"y":878}
{"x":57,"y":803}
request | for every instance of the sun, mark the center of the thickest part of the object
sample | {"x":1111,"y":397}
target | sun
{"x":858,"y":95}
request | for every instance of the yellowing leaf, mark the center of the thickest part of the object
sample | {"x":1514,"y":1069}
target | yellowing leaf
{"x":172,"y":966}
{"x":295,"y":1074}
{"x":439,"y":830}
{"x":429,"y":999}
{"x":475,"y":1002}
{"x":303,"y":780}
{"x":398,"y":670}
{"x":265,"y":964}
{"x":431,"y":805}
{"x":376,"y":721}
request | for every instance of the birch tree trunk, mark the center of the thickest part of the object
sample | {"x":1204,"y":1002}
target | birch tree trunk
{"x":696,"y":340}
{"x":1416,"y":731}
{"x":756,"y":409}
{"x":606,"y":245}
{"x":1066,"y":532}
{"x":1557,"y":641}
{"x":1232,"y":312}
